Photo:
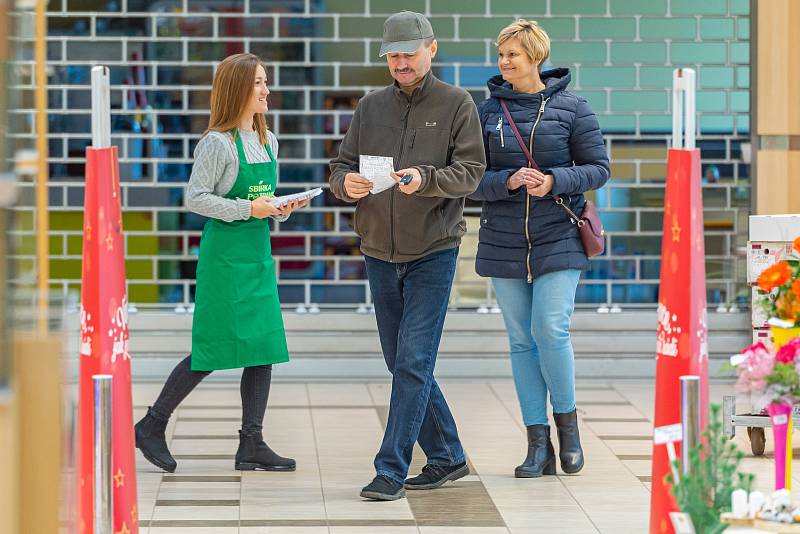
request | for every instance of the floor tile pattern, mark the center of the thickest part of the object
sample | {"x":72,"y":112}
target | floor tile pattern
{"x":333,"y":431}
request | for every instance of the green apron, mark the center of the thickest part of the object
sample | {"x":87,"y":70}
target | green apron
{"x":237,"y":314}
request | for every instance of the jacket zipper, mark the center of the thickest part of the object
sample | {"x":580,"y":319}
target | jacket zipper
{"x":528,"y":199}
{"x":399,"y":155}
{"x":499,"y":128}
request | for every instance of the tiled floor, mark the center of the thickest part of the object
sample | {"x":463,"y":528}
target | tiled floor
{"x":334,"y":430}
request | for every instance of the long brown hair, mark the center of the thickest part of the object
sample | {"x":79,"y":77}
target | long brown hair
{"x":231,"y":89}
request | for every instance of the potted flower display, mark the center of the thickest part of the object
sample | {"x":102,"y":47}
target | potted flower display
{"x":772,"y":377}
{"x":781,"y":282}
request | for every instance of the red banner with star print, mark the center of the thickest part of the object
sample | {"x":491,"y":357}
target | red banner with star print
{"x":104,"y":342}
{"x":681,"y":345}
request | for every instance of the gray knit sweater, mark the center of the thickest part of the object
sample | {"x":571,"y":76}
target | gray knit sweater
{"x":216,"y":166}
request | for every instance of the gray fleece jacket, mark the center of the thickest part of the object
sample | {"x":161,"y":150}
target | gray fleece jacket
{"x":436,"y":130}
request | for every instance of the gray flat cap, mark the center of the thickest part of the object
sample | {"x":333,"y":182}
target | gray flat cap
{"x":404,"y":32}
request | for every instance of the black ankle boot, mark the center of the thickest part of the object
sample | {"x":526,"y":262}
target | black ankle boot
{"x":150,"y":439}
{"x":541,"y":459}
{"x":255,"y":455}
{"x":569,"y":442}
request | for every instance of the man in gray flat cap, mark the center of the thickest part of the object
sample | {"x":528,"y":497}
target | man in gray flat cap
{"x":410,"y":234}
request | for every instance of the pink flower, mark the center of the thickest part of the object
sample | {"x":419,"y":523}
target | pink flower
{"x":789,"y":352}
{"x":757,"y":365}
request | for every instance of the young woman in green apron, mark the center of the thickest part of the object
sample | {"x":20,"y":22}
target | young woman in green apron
{"x":237,"y":316}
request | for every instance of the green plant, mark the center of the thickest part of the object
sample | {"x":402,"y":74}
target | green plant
{"x":705,"y":491}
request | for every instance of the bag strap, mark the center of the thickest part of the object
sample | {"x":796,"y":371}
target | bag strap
{"x":521,"y":142}
{"x":560,"y":201}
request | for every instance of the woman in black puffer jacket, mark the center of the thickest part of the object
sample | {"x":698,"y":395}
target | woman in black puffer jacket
{"x":528,"y":244}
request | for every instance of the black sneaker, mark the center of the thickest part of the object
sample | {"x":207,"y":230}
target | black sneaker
{"x":383,"y":488}
{"x":433,"y":476}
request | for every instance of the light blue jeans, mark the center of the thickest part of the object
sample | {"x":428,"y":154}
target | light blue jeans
{"x":537,"y":318}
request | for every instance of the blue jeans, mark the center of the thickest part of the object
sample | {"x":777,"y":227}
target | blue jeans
{"x":537,"y":318}
{"x":410,"y":306}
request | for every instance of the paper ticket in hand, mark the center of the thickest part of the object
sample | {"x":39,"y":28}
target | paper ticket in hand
{"x":378,"y":170}
{"x":277,"y":202}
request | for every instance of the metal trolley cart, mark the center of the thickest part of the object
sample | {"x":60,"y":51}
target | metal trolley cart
{"x":755,"y":423}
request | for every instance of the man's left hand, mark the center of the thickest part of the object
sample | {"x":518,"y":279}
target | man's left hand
{"x":544,"y":188}
{"x":416,"y":180}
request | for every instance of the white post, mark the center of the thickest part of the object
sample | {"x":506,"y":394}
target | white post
{"x":103,"y":478}
{"x":101,"y":108}
{"x":683,"y":109}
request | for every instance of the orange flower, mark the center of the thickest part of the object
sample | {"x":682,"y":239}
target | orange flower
{"x":796,"y":244}
{"x":774,"y":276}
{"x":788,"y":306}
{"x":796,"y":287}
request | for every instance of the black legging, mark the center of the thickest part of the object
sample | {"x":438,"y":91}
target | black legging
{"x":254,"y":390}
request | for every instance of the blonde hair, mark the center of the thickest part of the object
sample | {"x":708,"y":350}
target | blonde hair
{"x":533,"y":39}
{"x":231,"y":89}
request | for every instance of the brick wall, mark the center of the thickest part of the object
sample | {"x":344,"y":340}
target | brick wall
{"x":323,"y":57}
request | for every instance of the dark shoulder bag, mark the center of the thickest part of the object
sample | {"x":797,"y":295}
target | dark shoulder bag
{"x":589,"y":226}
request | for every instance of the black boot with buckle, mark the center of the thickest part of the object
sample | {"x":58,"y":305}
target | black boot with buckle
{"x":255,"y":455}
{"x":541,"y":459}
{"x":569,"y":442}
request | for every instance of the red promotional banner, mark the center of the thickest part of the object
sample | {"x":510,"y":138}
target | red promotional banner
{"x":104,"y":342}
{"x":682,"y":347}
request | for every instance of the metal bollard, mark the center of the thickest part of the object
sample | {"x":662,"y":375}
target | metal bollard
{"x":690,"y":417}
{"x":103,"y":492}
